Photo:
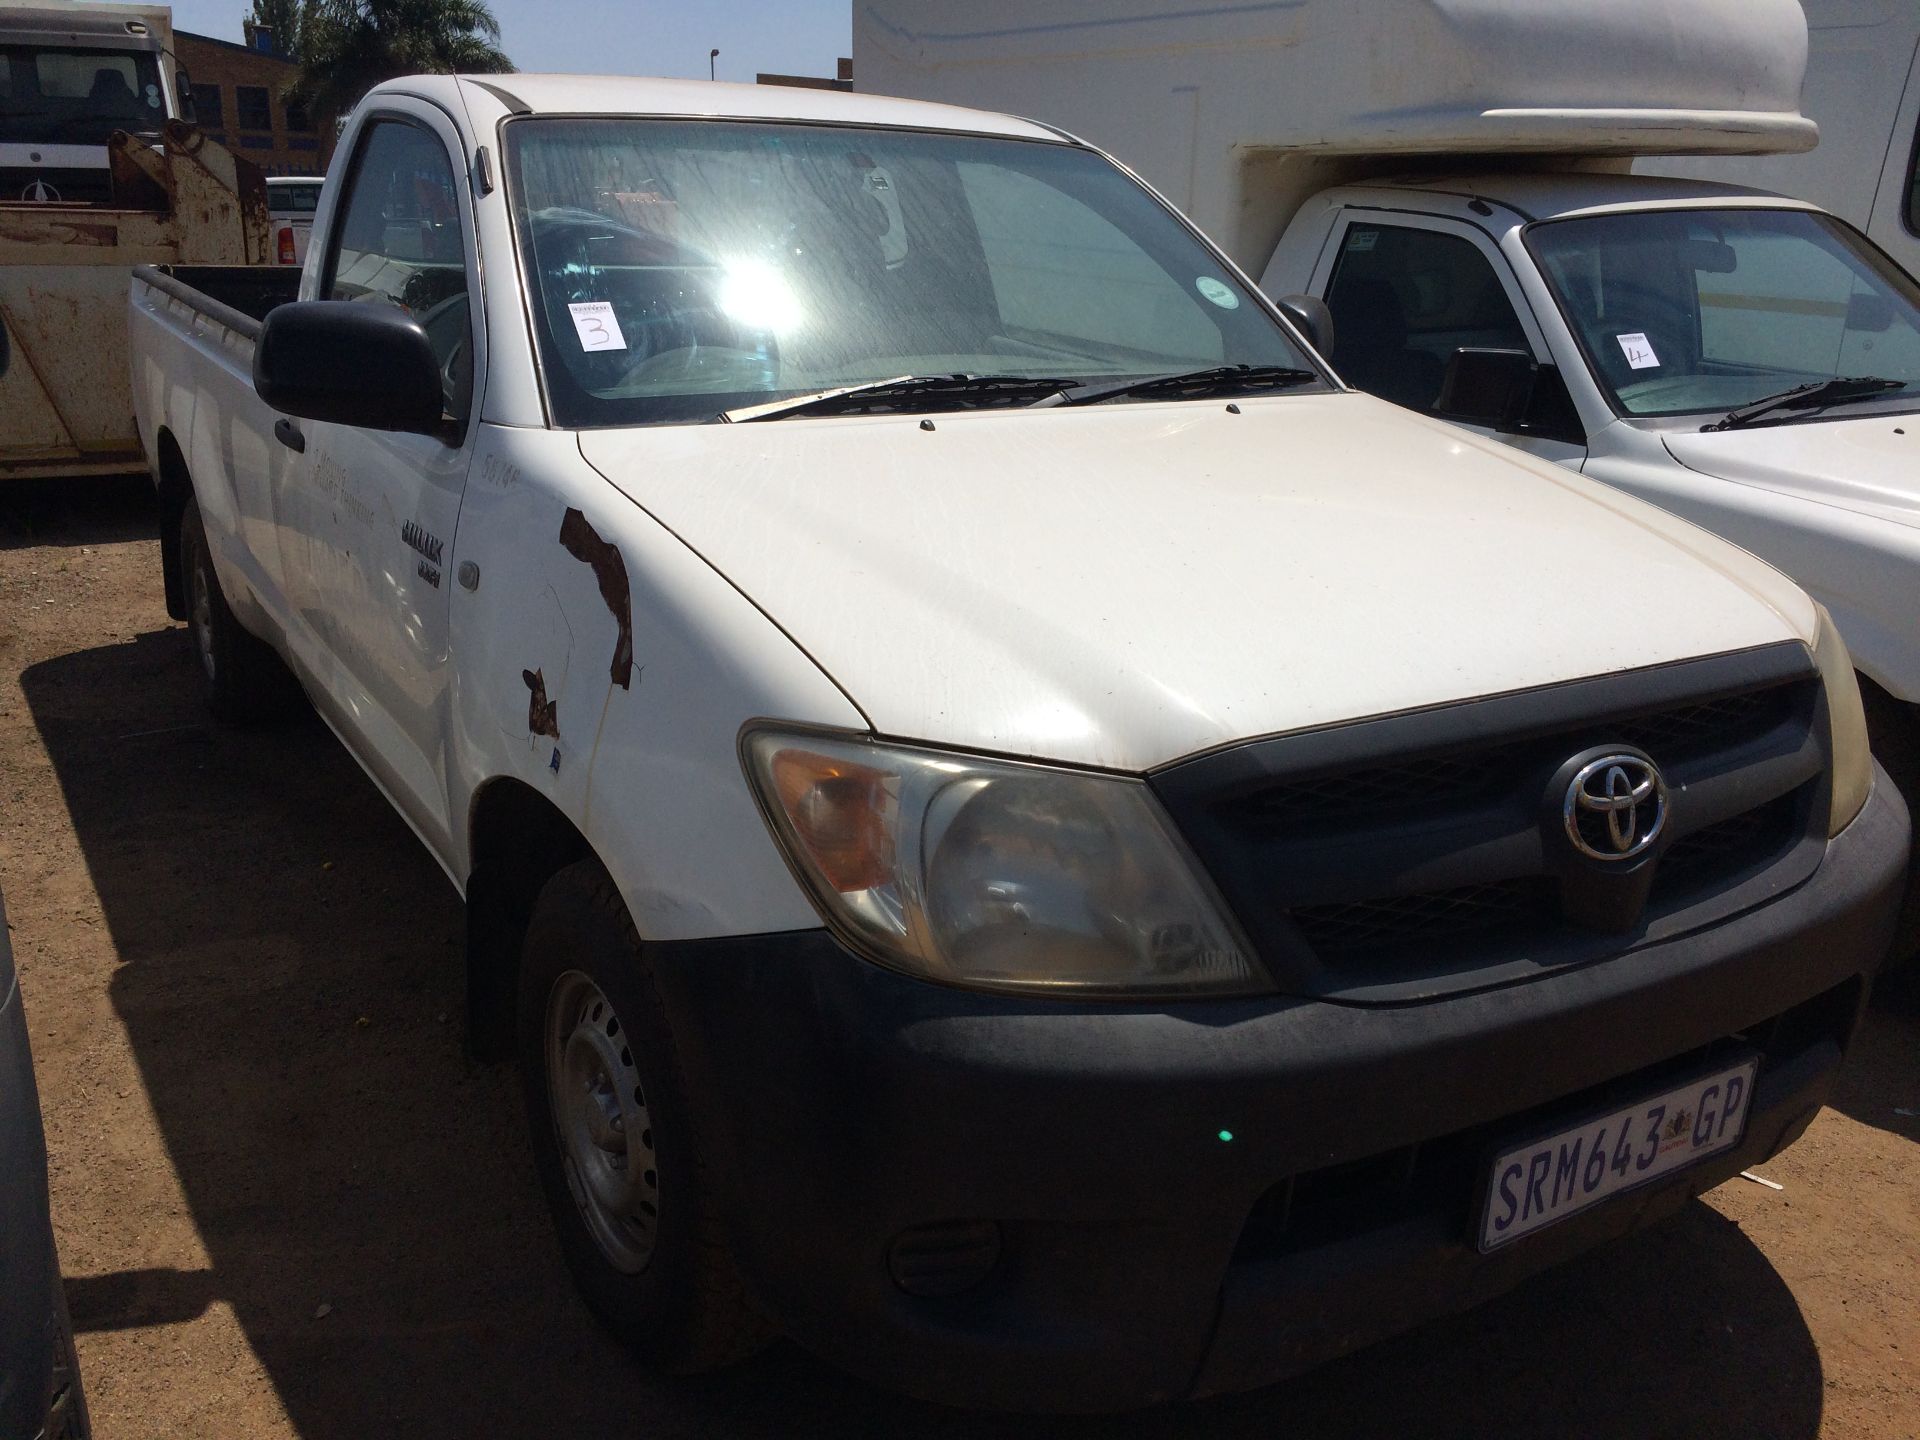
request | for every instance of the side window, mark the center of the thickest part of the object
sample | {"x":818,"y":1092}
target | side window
{"x":1403,"y":300}
{"x":1085,"y":281}
{"x":398,"y":242}
{"x":206,"y":107}
{"x":252,"y":108}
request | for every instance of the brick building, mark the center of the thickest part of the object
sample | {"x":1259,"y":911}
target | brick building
{"x":239,"y":98}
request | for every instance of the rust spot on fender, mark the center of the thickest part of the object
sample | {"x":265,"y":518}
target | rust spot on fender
{"x":543,"y":715}
{"x":583,"y":542}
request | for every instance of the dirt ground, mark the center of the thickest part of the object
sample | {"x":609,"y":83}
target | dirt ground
{"x":287,"y":1205}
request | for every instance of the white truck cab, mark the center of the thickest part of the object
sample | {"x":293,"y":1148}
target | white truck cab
{"x":1019,"y":831}
{"x":1656,"y":313}
{"x":70,"y":75}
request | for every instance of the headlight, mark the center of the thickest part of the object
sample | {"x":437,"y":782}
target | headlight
{"x":1852,"y":756}
{"x":996,"y":875}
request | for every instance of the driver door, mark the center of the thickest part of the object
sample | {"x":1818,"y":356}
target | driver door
{"x":1406,"y":291}
{"x":365,"y":518}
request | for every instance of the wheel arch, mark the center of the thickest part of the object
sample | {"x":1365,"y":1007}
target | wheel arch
{"x":518,"y":839}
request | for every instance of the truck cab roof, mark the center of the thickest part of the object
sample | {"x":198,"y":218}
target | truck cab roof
{"x":490,"y":97}
{"x":1551,"y":195}
{"x":121,"y":27}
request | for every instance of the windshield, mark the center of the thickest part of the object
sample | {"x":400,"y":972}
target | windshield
{"x":1687,"y":312}
{"x":293,"y":199}
{"x":682,"y":268}
{"x":77,"y":96}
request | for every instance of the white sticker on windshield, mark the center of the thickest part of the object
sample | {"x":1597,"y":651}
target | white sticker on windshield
{"x":1218,"y":291}
{"x":1362,"y":239}
{"x":594,"y":321}
{"x":1639,"y":351}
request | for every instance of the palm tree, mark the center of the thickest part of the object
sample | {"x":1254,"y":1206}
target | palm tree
{"x":349,"y":46}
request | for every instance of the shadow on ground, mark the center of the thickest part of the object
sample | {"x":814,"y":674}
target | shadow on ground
{"x":1882,"y":1074}
{"x":100,"y":510}
{"x":290,"y":985}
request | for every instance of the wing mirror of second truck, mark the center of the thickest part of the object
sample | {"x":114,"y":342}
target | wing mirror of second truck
{"x":1311,"y":318}
{"x":350,"y":362}
{"x":6,"y":350}
{"x":1483,"y":385}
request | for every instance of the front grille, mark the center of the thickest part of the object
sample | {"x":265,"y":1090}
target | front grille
{"x":1479,"y":910}
{"x":1719,"y":852}
{"x":1670,"y":736}
{"x":1426,"y":850}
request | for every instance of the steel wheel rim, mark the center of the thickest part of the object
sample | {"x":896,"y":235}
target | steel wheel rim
{"x":200,"y":613}
{"x":601,"y":1122}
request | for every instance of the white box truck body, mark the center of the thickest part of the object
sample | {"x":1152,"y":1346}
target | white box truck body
{"x":1863,"y":90}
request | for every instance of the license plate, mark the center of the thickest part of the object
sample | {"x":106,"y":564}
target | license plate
{"x":1559,"y":1175}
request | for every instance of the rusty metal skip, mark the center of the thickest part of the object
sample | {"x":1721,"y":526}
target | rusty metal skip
{"x":65,"y":404}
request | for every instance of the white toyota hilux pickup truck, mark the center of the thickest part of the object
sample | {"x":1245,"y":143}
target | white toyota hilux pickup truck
{"x":1021,"y":832}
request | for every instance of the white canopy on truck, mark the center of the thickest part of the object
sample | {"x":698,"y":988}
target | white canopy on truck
{"x":1236,"y":110}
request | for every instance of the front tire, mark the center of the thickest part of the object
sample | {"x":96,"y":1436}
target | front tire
{"x":245,"y":679}
{"x":613,"y":1139}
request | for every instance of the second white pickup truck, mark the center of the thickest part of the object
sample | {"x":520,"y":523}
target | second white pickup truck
{"x":1020,"y":831}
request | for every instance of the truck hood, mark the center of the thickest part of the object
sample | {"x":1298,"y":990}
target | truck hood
{"x":1127,"y":584}
{"x":1864,"y":464}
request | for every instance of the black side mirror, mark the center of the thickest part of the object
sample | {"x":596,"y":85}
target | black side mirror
{"x":1486,"y":386}
{"x":6,"y":350}
{"x":351,"y":362}
{"x":1311,"y":318}
{"x":183,"y":92}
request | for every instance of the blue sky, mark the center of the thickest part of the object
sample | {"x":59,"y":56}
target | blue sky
{"x":638,"y":37}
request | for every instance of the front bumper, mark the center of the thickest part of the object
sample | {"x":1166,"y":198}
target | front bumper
{"x":1140,"y":1257}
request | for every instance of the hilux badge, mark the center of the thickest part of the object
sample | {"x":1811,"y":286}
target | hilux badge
{"x":1616,"y":807}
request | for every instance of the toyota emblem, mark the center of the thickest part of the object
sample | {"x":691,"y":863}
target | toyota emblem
{"x":1616,"y":807}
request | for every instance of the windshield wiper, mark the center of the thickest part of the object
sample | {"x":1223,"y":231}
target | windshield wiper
{"x":1837,"y":391}
{"x":906,"y":392}
{"x":1194,"y":384}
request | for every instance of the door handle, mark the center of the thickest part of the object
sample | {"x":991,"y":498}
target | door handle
{"x":288,"y":434}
